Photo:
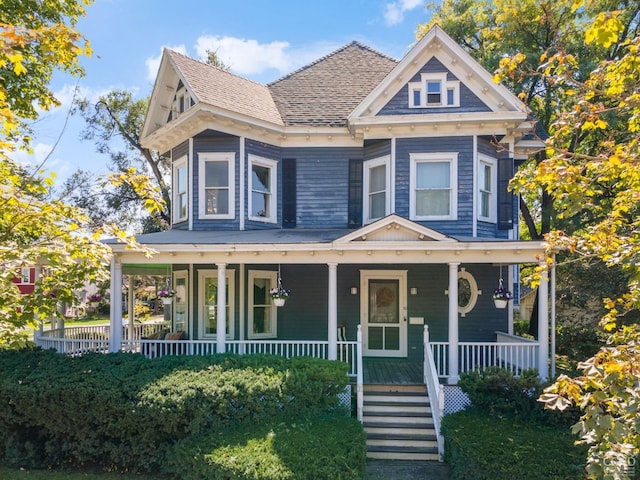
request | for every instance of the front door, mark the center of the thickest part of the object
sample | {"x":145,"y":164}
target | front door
{"x":384,"y":312}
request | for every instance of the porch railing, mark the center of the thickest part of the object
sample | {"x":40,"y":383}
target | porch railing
{"x":80,"y":340}
{"x":510,"y":352}
{"x":435,"y":390}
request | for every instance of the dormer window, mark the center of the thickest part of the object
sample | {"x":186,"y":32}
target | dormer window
{"x":434,"y":90}
{"x":181,"y":101}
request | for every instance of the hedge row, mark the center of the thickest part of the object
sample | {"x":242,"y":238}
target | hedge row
{"x":125,"y":412}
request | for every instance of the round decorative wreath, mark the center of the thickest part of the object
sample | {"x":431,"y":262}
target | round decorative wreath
{"x":384,"y":297}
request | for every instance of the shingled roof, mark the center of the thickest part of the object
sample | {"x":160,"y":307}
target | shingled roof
{"x":326,"y":91}
{"x":216,"y":87}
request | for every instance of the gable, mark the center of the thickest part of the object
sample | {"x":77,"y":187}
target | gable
{"x":394,"y":228}
{"x":437,"y":44}
{"x":467,"y":100}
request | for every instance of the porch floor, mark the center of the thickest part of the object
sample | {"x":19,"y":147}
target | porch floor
{"x":391,"y":371}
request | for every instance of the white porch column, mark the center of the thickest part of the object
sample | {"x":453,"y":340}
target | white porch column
{"x":332,"y":323}
{"x":453,"y":324}
{"x":553,"y":318}
{"x":221,"y":310}
{"x":132,"y":305}
{"x":115,"y":294}
{"x":543,"y":325}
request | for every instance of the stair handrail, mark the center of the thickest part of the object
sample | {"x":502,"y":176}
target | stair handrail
{"x":435,"y":391}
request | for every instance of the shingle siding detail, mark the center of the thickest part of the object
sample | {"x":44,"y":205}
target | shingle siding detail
{"x":399,"y":104}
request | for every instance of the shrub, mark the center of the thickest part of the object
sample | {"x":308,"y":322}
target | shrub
{"x":497,"y":391}
{"x":320,"y":447}
{"x":479,"y":446}
{"x":124,"y":411}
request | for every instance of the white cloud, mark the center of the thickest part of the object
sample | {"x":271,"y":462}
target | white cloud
{"x":394,"y":12}
{"x":246,"y":56}
{"x":153,"y":63}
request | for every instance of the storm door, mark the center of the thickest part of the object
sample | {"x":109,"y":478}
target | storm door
{"x":384,"y":312}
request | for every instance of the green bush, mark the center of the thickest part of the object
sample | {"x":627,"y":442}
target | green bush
{"x":497,"y":391}
{"x":479,"y":446}
{"x":123,"y":411}
{"x":317,"y":448}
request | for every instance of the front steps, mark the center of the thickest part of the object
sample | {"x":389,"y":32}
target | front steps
{"x":398,"y":423}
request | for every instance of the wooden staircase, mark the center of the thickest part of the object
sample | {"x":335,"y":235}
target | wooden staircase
{"x":398,"y":423}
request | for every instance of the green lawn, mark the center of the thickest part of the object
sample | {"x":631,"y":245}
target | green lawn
{"x":15,"y":474}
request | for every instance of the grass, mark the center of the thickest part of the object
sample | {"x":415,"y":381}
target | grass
{"x":22,"y":474}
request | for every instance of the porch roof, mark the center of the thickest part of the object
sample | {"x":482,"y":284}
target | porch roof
{"x":391,"y":240}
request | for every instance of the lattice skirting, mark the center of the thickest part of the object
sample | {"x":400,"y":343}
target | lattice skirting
{"x":344,"y":397}
{"x":454,"y":399}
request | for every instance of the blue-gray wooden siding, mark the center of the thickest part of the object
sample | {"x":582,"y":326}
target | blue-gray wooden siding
{"x":304,"y":317}
{"x":177,"y":153}
{"x":322,"y":181}
{"x":399,"y":104}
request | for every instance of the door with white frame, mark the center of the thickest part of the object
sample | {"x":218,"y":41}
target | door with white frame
{"x":383,"y":309}
{"x":208,"y":303}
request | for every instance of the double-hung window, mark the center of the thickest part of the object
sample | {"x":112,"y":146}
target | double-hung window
{"x":263,"y":198}
{"x":208,"y":285}
{"x":263,"y":314}
{"x":180,"y":190}
{"x":433,"y":186}
{"x":216,"y":185}
{"x":487,"y":182}
{"x":434,"y":90}
{"x":377,"y":200}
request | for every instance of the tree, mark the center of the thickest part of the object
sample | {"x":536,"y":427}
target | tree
{"x":593,"y":168}
{"x":139,"y":177}
{"x":36,"y":229}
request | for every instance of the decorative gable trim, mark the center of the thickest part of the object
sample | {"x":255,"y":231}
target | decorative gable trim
{"x":393,"y":228}
{"x":436,"y":43}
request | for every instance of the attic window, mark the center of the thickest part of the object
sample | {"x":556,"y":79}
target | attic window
{"x":434,"y":90}
{"x":182,"y":102}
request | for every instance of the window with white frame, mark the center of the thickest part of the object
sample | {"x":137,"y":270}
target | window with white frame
{"x":181,"y":101}
{"x":208,"y":294}
{"x":433,"y":186}
{"x":434,"y":90}
{"x":216,"y":196}
{"x":487,"y":194}
{"x":376,"y":201}
{"x":262,"y":189}
{"x":180,"y":303}
{"x":263,"y":314}
{"x":180,"y":190}
{"x":25,"y":275}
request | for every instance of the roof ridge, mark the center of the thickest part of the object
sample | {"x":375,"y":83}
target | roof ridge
{"x":215,"y":67}
{"x":331,"y":54}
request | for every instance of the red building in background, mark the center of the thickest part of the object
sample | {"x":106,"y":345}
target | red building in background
{"x":26,"y":280}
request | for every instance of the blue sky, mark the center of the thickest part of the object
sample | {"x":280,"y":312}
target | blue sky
{"x":260,"y":39}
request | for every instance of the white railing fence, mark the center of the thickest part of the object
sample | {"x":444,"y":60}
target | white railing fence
{"x":80,"y":340}
{"x":510,"y":352}
{"x":435,"y":390}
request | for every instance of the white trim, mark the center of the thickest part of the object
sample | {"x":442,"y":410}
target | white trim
{"x":445,"y":86}
{"x":272,"y":215}
{"x":474,"y":292}
{"x":180,"y":275}
{"x":401,"y":277}
{"x":273,"y":278}
{"x":202,"y":277}
{"x":243,"y":183}
{"x":190,"y":166}
{"x":452,"y":159}
{"x":229,"y":158}
{"x":392,"y":176}
{"x":474,"y":220}
{"x":368,"y":165}
{"x":492,"y":163}
{"x":180,"y":163}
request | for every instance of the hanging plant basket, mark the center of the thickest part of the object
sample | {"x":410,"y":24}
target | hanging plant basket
{"x":167,"y":300}
{"x":500,"y":302}
{"x":279,"y":302}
